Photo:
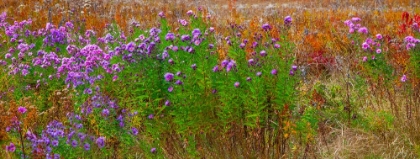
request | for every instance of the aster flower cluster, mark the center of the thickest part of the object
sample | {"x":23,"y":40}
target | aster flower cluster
{"x":411,"y":42}
{"x":354,"y":25}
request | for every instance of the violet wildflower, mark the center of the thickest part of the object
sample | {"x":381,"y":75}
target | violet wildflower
{"x":276,"y":46}
{"x":258,"y":74}
{"x":194,"y":66}
{"x":178,"y":82}
{"x":105,"y":112}
{"x":363,"y":30}
{"x":248,"y":79}
{"x":378,"y":51}
{"x":11,"y":147}
{"x":170,"y":89}
{"x":190,"y":13}
{"x":251,"y":61}
{"x":291,"y":73}
{"x":379,"y":36}
{"x":294,"y":67}
{"x":274,"y":72}
{"x":22,"y":110}
{"x":170,"y":37}
{"x":74,"y":143}
{"x":236,"y":84}
{"x":169,"y":77}
{"x":216,"y":68}
{"x":167,"y":103}
{"x":287,"y":20}
{"x":161,"y":14}
{"x":153,"y":150}
{"x":263,"y":53}
{"x":364,"y":59}
{"x":100,"y":141}
{"x":403,"y":78}
{"x":54,"y":143}
{"x":134,"y":131}
{"x":151,"y":116}
{"x":266,"y":27}
{"x":86,"y":146}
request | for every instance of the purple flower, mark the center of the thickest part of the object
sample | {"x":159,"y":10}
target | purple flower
{"x":22,"y":110}
{"x":355,"y":19}
{"x":294,"y":67}
{"x":287,"y":20}
{"x":242,"y":45}
{"x":274,"y":72}
{"x":54,"y":143}
{"x":251,"y":61}
{"x":170,"y":37}
{"x":100,"y":141}
{"x":403,"y":78}
{"x":168,"y":103}
{"x":291,"y":73}
{"x":258,"y":74}
{"x":276,"y":46}
{"x":190,"y":13}
{"x":379,"y":36}
{"x":153,"y":150}
{"x":178,"y":82}
{"x":8,"y":55}
{"x":263,"y":53}
{"x":363,"y":30}
{"x":171,"y":61}
{"x":216,"y":68}
{"x":378,"y":51}
{"x":151,"y":116}
{"x":236,"y":84}
{"x":170,"y":89}
{"x":161,"y":14}
{"x":11,"y":147}
{"x":169,"y":77}
{"x":134,"y":131}
{"x":194,"y":66}
{"x":105,"y":112}
{"x":266,"y":27}
{"x":86,"y":146}
{"x":74,"y":143}
{"x":248,"y":79}
{"x":364,"y":59}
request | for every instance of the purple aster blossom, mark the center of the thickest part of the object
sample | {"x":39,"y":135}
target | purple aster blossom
{"x":236,"y":84}
{"x":251,"y":62}
{"x":74,"y":143}
{"x":214,"y":91}
{"x":242,"y":45}
{"x":403,"y":78}
{"x":151,"y":116}
{"x":291,"y":73}
{"x":364,"y":59}
{"x":161,"y":14}
{"x":363,"y":30}
{"x":183,"y":22}
{"x":211,"y":46}
{"x":54,"y":143}
{"x":169,"y":77}
{"x":294,"y":67}
{"x":167,"y":103}
{"x":153,"y":150}
{"x":224,"y":63}
{"x":170,"y":37}
{"x":178,"y":82}
{"x":288,"y":20}
{"x":86,"y":146}
{"x":105,"y":112}
{"x":258,"y":74}
{"x":194,"y":66}
{"x":25,"y":72}
{"x":134,"y":131}
{"x":263,"y":53}
{"x":365,"y":46}
{"x":378,"y":51}
{"x":355,"y":19}
{"x":179,"y":73}
{"x":266,"y":27}
{"x":171,"y":61}
{"x":211,"y":29}
{"x":190,"y":13}
{"x":274,"y":72}
{"x":216,"y":68}
{"x":11,"y":147}
{"x":100,"y":141}
{"x":248,"y":79}
{"x":8,"y":56}
{"x":277,"y":46}
{"x":379,"y":36}
{"x":22,"y":110}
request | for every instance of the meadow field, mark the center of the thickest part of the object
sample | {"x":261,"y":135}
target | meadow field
{"x":209,"y":79}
